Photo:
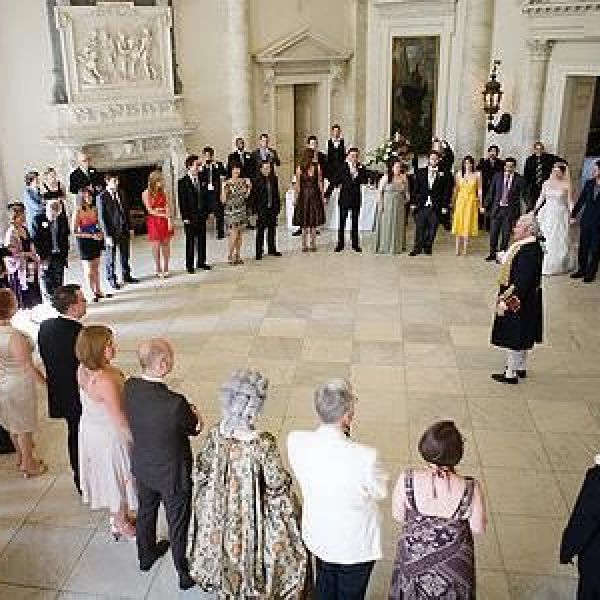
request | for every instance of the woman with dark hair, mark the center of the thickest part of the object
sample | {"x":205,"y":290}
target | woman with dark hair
{"x":467,"y":204}
{"x":440,"y":510}
{"x":390,"y":226}
{"x":309,"y":212}
{"x":234,"y":197}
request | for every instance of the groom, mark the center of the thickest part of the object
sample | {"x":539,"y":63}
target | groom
{"x":433,"y":191}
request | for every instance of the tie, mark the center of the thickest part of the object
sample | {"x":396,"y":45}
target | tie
{"x":539,"y":175}
{"x":504,"y":199}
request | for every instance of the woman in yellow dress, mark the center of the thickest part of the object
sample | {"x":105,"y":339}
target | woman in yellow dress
{"x":467,"y":204}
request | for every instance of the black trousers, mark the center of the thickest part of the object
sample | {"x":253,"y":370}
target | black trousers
{"x":501,"y":225}
{"x":52,"y":275}
{"x":195,"y":243}
{"x":120,"y":243}
{"x":73,"y":446}
{"x":178,"y":510}
{"x":589,"y":250}
{"x":342,"y":582}
{"x":266,"y":222}
{"x":344,"y":210}
{"x":426,"y":224}
{"x":218,"y":209}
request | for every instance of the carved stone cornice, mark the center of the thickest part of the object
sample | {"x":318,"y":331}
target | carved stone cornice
{"x":539,"y":50}
{"x":559,"y":7}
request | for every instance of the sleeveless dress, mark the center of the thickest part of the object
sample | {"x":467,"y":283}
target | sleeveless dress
{"x":158,"y":227}
{"x":235,"y":203}
{"x":22,"y":273}
{"x":18,"y":400}
{"x":309,"y":210}
{"x":465,"y":222}
{"x":435,"y":557}
{"x":553,"y":218}
{"x":390,"y":227}
{"x":104,"y":460}
{"x":89,"y":249}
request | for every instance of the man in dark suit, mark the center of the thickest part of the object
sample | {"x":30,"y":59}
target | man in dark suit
{"x":351,"y":179}
{"x":51,"y":240}
{"x":504,"y":205}
{"x":266,"y":204}
{"x":85,"y":176}
{"x":488,"y":167}
{"x":243,"y":158}
{"x":113,"y":216}
{"x":194,"y":212}
{"x":589,"y":235}
{"x":210,"y":180}
{"x":336,"y":158}
{"x":56,"y":341}
{"x":537,"y":169}
{"x":433,"y":191}
{"x":161,"y":422}
{"x":265,"y":153}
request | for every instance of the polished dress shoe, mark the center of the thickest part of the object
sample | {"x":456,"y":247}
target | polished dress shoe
{"x":115,"y":285}
{"x":204,"y":267}
{"x":490,"y":258}
{"x":190,"y":271}
{"x":161,"y":549}
{"x":414,"y":253}
{"x":521,"y":373}
{"x":589,"y":278}
{"x":276,"y":253}
{"x":297,"y":233}
{"x":428,"y":251}
{"x":185,"y":581}
{"x":357,"y":248}
{"x":259,"y":257}
{"x":502,"y":378}
{"x":577,"y":275}
{"x":339,"y":248}
{"x":130,"y":280}
{"x":221,"y":236}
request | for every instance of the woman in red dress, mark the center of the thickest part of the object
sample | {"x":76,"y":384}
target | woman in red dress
{"x":160,"y":227}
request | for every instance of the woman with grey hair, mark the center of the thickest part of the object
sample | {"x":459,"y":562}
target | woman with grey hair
{"x":244,"y":540}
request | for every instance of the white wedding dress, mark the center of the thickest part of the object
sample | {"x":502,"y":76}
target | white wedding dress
{"x":554,"y":218}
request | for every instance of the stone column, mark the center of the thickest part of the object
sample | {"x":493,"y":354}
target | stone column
{"x":58,"y":94}
{"x":532,"y":96}
{"x":240,"y":68}
{"x":476,"y":59}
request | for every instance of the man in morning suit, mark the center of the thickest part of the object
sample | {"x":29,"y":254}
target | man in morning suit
{"x":351,"y":178}
{"x":113,"y":216}
{"x":210,"y":180}
{"x":161,"y":422}
{"x":243,"y":158}
{"x":51,"y":240}
{"x":433,"y":191}
{"x":537,"y":169}
{"x":504,"y":205}
{"x":336,"y":158}
{"x":85,"y":176}
{"x":194,"y":211}
{"x":266,"y":204}
{"x":56,"y":341}
{"x":589,"y":236}
{"x":265,"y":152}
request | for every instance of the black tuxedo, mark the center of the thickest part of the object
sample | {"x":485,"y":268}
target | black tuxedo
{"x":430,"y":203}
{"x":589,"y":236}
{"x":245,"y":160}
{"x":266,"y":203}
{"x":336,"y":158}
{"x":532,"y":188}
{"x":51,"y":241}
{"x":161,"y":422}
{"x":210,"y":180}
{"x":193,"y":209}
{"x":503,"y":218}
{"x":488,"y":169}
{"x":79,"y":179}
{"x":581,"y":537}
{"x":113,"y":217}
{"x":56,"y":341}
{"x":350,"y":200}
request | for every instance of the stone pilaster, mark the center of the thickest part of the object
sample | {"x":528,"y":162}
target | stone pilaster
{"x":476,"y":60}
{"x":240,"y":68}
{"x":532,"y":103}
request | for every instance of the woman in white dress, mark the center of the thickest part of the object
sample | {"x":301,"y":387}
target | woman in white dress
{"x":18,"y":376}
{"x":104,"y":435}
{"x":555,"y":204}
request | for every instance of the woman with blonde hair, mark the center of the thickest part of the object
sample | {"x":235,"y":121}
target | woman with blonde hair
{"x":18,"y":399}
{"x":104,"y":435}
{"x":160,"y":226}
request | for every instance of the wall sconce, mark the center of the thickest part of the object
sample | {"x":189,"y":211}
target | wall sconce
{"x":492,"y":96}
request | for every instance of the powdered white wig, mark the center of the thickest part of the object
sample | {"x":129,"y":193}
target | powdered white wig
{"x":529,"y":220}
{"x":242,"y":398}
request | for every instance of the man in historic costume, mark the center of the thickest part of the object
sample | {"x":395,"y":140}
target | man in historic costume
{"x":519,"y":314}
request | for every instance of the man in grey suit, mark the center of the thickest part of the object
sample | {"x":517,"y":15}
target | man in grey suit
{"x":504,"y":205}
{"x":32,"y":199}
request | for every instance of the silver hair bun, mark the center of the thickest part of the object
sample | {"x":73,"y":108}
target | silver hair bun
{"x":242,"y":398}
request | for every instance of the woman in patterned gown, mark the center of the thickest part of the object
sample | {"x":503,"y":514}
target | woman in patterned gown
{"x":234,"y":198}
{"x":440,"y":510}
{"x":244,"y":538}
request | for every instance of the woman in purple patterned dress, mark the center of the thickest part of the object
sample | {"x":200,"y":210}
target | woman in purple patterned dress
{"x":439,"y":510}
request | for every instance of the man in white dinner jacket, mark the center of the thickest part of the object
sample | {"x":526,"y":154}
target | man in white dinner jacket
{"x":341,"y":481}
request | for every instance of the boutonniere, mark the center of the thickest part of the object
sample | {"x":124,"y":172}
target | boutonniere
{"x":45,"y":224}
{"x":441,"y":173}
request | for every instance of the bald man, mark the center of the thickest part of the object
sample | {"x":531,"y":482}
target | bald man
{"x":161,"y":422}
{"x":85,"y":176}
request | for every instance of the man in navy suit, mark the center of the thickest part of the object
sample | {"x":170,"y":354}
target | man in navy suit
{"x":589,"y":238}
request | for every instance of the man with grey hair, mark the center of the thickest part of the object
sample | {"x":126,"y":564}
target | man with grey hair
{"x":341,"y":481}
{"x":161,"y":422}
{"x":518,"y":322}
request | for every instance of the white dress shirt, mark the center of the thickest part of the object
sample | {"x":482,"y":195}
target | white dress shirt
{"x":341,"y":482}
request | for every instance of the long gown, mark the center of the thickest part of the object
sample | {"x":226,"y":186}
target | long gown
{"x":553,"y":218}
{"x":390,"y":229}
{"x":465,"y":222}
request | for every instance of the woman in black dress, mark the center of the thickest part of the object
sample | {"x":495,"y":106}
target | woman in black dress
{"x":309,"y":212}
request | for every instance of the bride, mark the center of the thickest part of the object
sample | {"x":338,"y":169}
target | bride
{"x":554,"y":205}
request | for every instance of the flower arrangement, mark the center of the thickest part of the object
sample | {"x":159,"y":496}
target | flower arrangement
{"x":396,"y":146}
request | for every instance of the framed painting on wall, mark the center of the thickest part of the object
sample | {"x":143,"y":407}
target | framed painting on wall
{"x":415,"y":62}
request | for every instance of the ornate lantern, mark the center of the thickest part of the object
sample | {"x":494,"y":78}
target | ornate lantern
{"x":492,"y":97}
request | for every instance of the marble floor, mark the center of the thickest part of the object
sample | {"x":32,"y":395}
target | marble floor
{"x":412,"y":335}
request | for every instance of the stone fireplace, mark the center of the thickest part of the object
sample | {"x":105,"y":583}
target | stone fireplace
{"x":119,"y":105}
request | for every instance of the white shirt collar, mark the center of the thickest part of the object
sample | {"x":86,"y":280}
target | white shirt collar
{"x":68,"y":317}
{"x":151,"y":379}
{"x":332,"y":430}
